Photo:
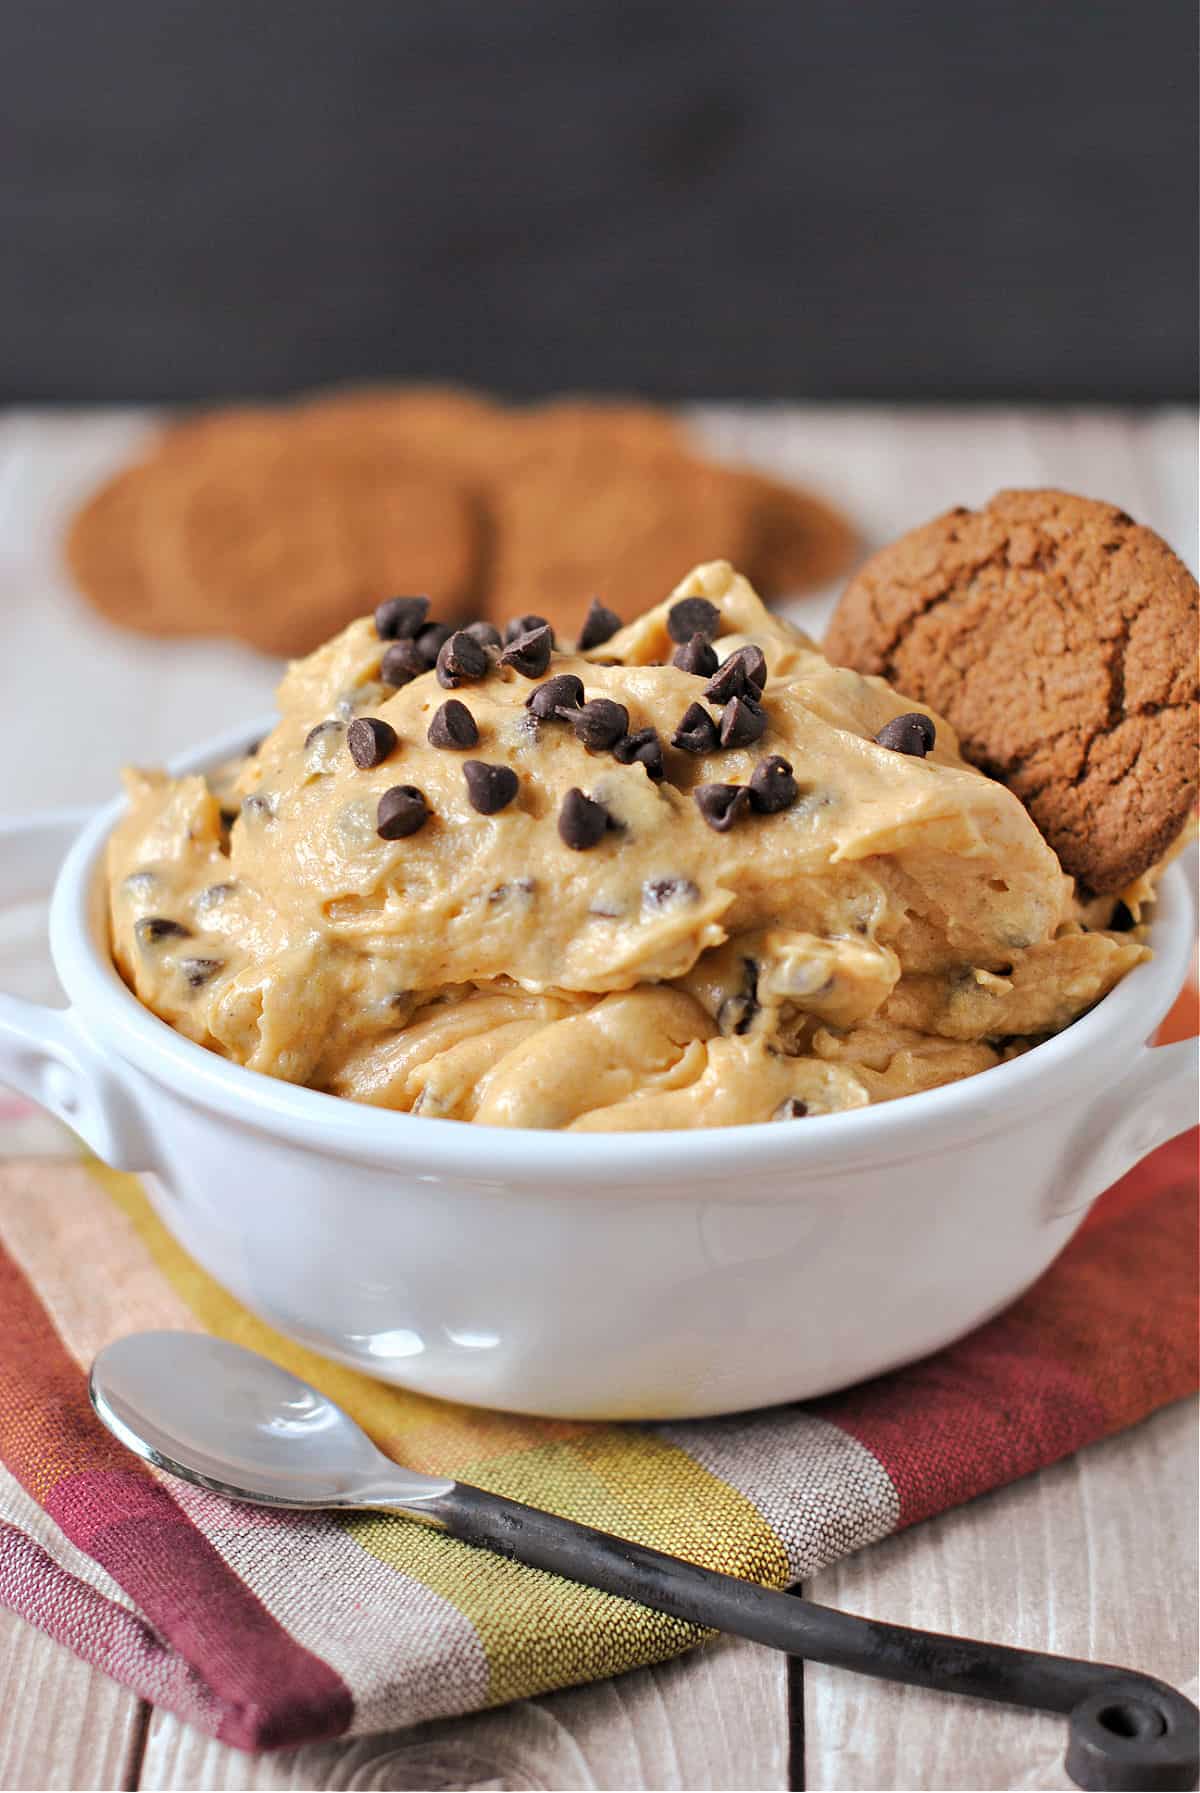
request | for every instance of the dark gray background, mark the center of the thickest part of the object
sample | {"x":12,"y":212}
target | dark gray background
{"x":863,"y":198}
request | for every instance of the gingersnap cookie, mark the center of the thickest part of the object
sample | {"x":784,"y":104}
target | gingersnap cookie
{"x":103,"y":555}
{"x":1058,"y":636}
{"x":800,"y":541}
{"x":237,"y":523}
{"x":444,"y":427}
{"x":580,"y":518}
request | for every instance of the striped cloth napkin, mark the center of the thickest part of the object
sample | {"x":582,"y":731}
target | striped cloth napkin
{"x":271,"y":1629}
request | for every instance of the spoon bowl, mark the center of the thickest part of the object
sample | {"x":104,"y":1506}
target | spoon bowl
{"x":210,"y":1411}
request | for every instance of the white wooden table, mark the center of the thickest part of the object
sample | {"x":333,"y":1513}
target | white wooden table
{"x":1096,"y":1556}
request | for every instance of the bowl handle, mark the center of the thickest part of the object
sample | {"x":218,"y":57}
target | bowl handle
{"x":1156,"y":1099}
{"x":45,"y":1053}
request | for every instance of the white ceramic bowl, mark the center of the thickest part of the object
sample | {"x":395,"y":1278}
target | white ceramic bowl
{"x":619,"y":1276}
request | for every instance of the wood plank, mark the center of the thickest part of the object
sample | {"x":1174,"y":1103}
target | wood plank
{"x":716,"y":1719}
{"x":1095,"y":1557}
{"x":65,"y":1725}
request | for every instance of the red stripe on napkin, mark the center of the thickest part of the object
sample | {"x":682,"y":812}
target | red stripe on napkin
{"x":270,"y":1689}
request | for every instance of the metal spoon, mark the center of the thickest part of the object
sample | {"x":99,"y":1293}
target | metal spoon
{"x":209,"y":1411}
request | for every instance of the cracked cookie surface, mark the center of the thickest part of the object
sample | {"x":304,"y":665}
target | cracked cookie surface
{"x":1059,"y":637}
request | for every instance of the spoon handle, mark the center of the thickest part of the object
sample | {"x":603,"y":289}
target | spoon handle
{"x":1126,"y":1730}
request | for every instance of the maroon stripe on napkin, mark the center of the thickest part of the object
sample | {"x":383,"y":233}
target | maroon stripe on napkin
{"x":270,"y":1689}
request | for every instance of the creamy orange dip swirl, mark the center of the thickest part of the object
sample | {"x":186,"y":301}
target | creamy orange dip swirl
{"x":901,"y":924}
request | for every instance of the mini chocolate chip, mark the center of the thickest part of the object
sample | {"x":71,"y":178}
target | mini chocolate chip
{"x":198,"y":971}
{"x":517,"y":889}
{"x":693,"y":616}
{"x":401,"y":662}
{"x":370,"y":740}
{"x":911,"y":733}
{"x":736,"y":1013}
{"x":563,"y":692}
{"x":696,"y":656}
{"x":599,"y":626}
{"x":461,"y":660}
{"x":430,"y":642}
{"x":721,"y":805}
{"x":486,"y":634}
{"x":322,"y":728}
{"x":529,"y":654}
{"x":742,"y":675}
{"x":228,"y":817}
{"x":772,"y":786}
{"x":402,"y":810}
{"x":742,"y":722}
{"x":1121,"y":921}
{"x":582,"y":822}
{"x":453,"y":726}
{"x":400,"y":618}
{"x":697,"y":732}
{"x":489,"y":788}
{"x":642,"y":748}
{"x":153,"y":928}
{"x":793,"y":1109}
{"x":599,"y":724}
{"x":525,"y":625}
{"x":666,"y":893}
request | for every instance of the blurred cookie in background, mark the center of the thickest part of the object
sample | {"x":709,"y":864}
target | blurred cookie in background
{"x":277,"y":524}
{"x":240,"y":524}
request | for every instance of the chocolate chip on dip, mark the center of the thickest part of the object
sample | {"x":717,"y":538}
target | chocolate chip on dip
{"x":668,"y":893}
{"x":772,"y":786}
{"x":793,"y":1109}
{"x":722,"y":805}
{"x":402,"y":811}
{"x":743,"y":674}
{"x":430,"y":642}
{"x":197,"y":972}
{"x":490,"y":788}
{"x":599,"y":626}
{"x":642,"y":748}
{"x":599,"y":724}
{"x":525,"y":625}
{"x":582,"y":822}
{"x":151,"y":929}
{"x":693,"y":616}
{"x":529,"y":654}
{"x":370,"y":740}
{"x":742,"y":723}
{"x":402,"y":662}
{"x":912,"y":733}
{"x":461,"y":660}
{"x":400,"y":618}
{"x":563,"y":692}
{"x":697,"y":732}
{"x":697,"y":656}
{"x":453,"y":726}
